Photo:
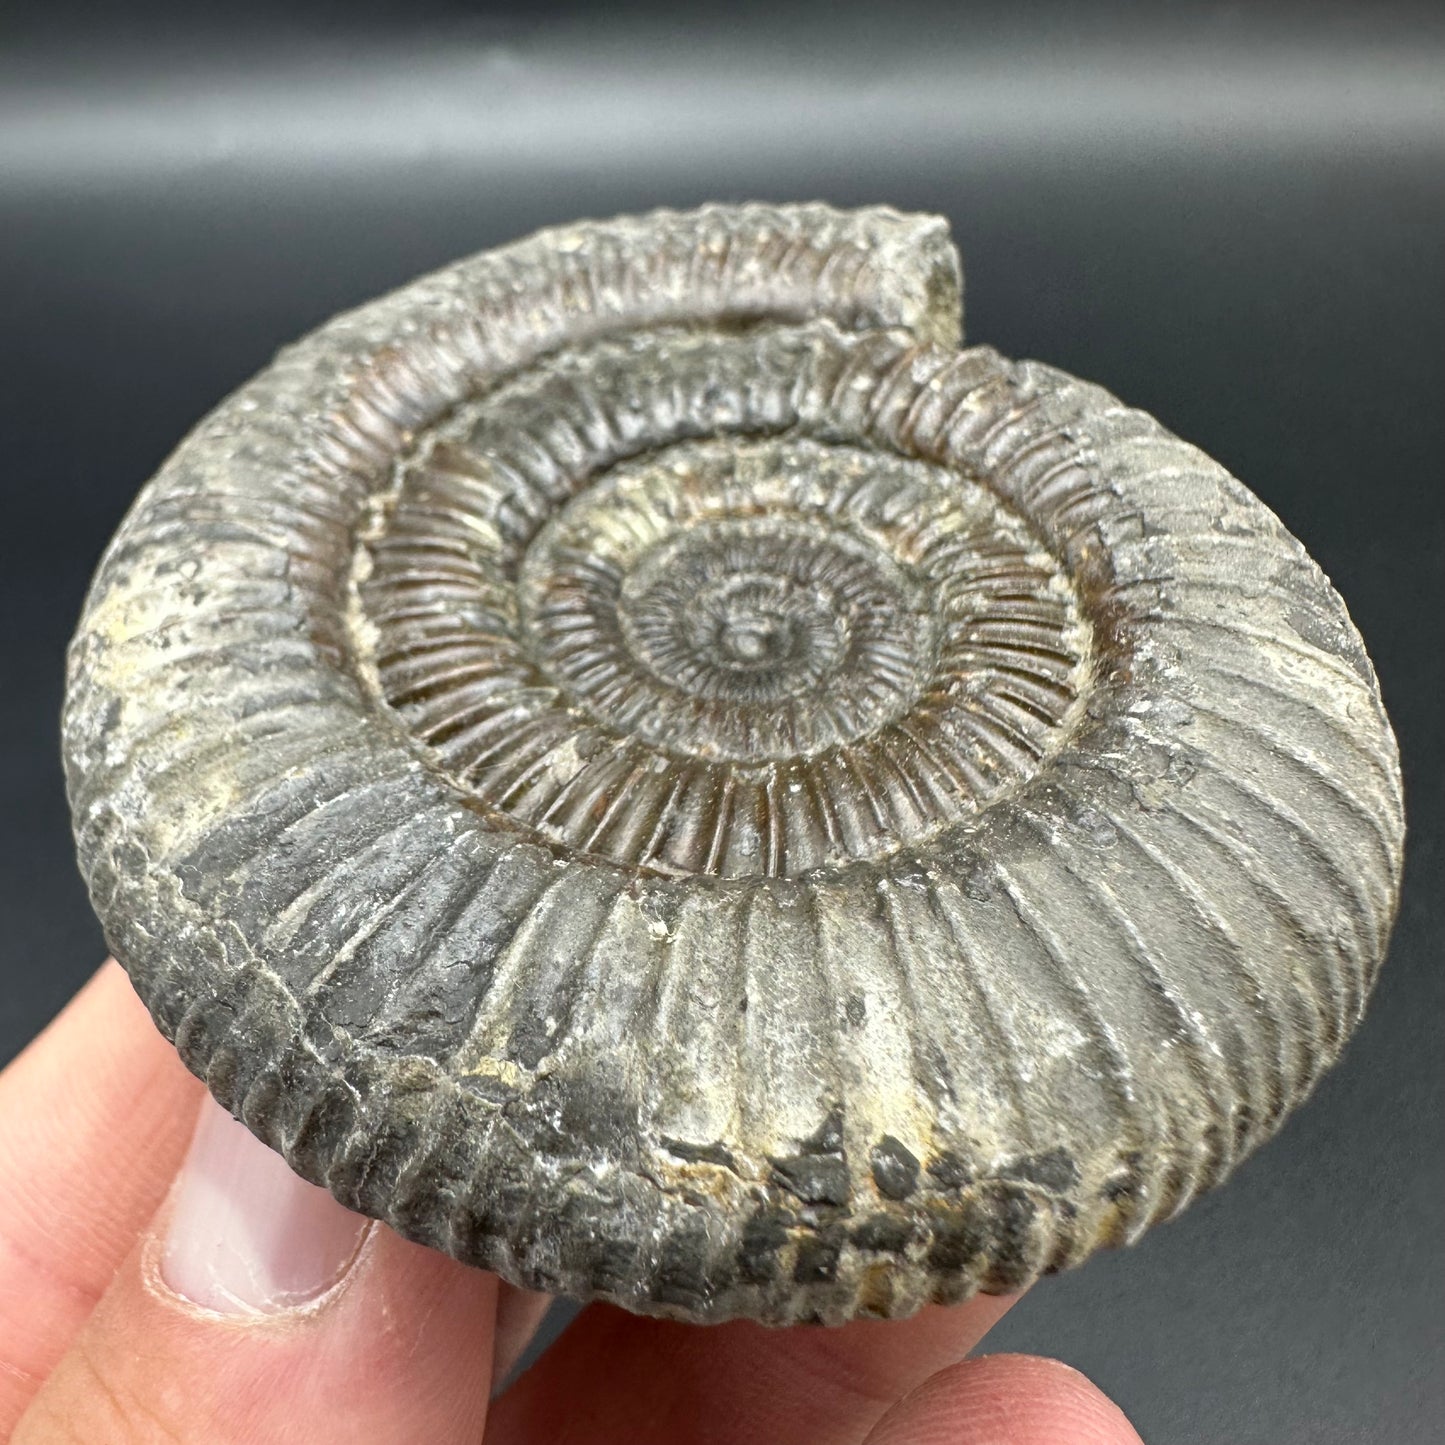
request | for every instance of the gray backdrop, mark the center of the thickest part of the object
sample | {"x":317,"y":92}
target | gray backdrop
{"x":1231,"y":215}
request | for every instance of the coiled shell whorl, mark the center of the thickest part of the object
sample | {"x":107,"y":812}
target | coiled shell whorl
{"x":636,"y":761}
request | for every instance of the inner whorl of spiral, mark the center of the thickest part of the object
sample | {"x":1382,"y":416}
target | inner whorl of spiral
{"x":644,"y":602}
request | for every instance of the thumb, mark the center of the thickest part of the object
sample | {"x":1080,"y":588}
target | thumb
{"x":257,"y":1309}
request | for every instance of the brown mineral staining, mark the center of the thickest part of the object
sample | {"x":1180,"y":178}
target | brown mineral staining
{"x":637,"y":761}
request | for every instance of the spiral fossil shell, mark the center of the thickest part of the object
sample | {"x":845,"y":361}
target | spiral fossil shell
{"x":638,"y":762}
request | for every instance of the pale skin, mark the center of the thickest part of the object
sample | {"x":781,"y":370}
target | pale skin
{"x":117,"y":1324}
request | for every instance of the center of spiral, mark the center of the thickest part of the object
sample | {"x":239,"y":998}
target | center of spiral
{"x":747,"y":640}
{"x":755,"y":611}
{"x":716,"y":630}
{"x":728,"y":656}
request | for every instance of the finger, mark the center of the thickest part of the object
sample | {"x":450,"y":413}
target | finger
{"x":94,"y":1118}
{"x":615,"y":1378}
{"x":257,"y":1309}
{"x":1005,"y":1400}
{"x":519,"y":1314}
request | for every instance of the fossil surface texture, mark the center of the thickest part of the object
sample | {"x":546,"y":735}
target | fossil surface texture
{"x":639,"y":762}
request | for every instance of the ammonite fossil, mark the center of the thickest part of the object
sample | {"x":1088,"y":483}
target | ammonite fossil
{"x":637,"y":761}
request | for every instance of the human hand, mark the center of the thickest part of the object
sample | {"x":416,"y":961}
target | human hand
{"x":168,"y":1280}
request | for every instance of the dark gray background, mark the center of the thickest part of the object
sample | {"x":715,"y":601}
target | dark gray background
{"x":1231,"y":215}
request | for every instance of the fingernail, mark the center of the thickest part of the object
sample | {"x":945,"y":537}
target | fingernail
{"x":246,"y":1235}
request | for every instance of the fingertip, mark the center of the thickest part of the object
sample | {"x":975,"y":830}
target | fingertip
{"x":520,"y":1313}
{"x":111,"y":976}
{"x":94,"y":1115}
{"x":243,"y":1233}
{"x":107,"y":996}
{"x":268,"y":1337}
{"x":1009,"y":1400}
{"x":650,"y":1380}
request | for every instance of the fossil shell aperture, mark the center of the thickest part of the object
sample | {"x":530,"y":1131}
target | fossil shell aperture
{"x":639,"y":762}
